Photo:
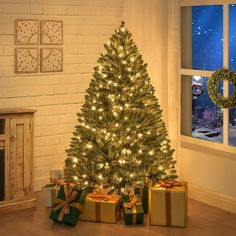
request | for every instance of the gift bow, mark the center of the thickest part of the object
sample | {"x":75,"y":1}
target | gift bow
{"x":102,"y":197}
{"x":64,"y":205}
{"x":133,"y":202}
{"x":169,"y":183}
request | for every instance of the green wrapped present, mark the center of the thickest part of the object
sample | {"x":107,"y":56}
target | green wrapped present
{"x":69,"y":204}
{"x":143,"y":192}
{"x":132,"y":210}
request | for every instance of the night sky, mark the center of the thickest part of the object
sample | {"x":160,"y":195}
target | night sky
{"x":207,"y":31}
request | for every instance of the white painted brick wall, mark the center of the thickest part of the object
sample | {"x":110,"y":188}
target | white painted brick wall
{"x":57,"y":97}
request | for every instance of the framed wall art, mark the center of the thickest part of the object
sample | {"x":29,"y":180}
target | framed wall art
{"x":27,"y":60}
{"x":51,"y":32}
{"x":51,"y":60}
{"x":27,"y":31}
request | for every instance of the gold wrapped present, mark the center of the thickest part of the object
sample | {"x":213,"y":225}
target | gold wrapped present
{"x":101,"y":208}
{"x":168,"y":204}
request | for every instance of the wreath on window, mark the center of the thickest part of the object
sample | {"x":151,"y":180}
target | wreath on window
{"x":213,"y":85}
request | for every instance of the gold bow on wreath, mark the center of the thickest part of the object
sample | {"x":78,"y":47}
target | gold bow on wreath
{"x":169,"y":183}
{"x":64,"y":205}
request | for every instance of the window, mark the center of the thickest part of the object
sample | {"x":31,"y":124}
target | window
{"x":208,"y":43}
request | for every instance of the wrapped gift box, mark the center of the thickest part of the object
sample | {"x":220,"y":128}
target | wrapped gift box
{"x":143,"y":192}
{"x":101,"y":208}
{"x":55,"y":176}
{"x":168,"y":204}
{"x":69,"y":204}
{"x":132,"y":210}
{"x":51,"y":195}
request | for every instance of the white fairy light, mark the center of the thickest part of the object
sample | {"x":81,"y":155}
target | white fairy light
{"x":84,"y":176}
{"x":131,"y":175}
{"x":140,"y":135}
{"x":126,"y":118}
{"x":75,"y":160}
{"x":128,"y":129}
{"x":116,"y":125}
{"x":100,"y":176}
{"x":93,"y":108}
{"x":86,"y":182}
{"x":100,"y":109}
{"x":140,"y":151}
{"x":122,"y":29}
{"x":148,"y":132}
{"x":89,"y":146}
{"x":151,"y":152}
{"x":160,"y":168}
{"x":128,"y":137}
{"x":132,"y":59}
{"x":75,"y":177}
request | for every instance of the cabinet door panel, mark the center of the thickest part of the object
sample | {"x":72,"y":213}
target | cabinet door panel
{"x":19,"y":157}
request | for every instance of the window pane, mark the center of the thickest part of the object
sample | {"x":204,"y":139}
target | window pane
{"x":202,"y":42}
{"x":207,"y":30}
{"x":232,"y":127}
{"x":232,"y":37}
{"x":205,"y":118}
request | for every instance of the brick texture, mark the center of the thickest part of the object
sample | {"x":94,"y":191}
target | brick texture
{"x":57,"y":97}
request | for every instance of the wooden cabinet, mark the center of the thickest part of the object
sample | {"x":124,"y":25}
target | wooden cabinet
{"x":16,"y":159}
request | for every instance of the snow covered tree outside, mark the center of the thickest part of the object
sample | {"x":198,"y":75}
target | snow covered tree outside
{"x":120,"y":139}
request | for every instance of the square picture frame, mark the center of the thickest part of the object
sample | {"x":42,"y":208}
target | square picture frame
{"x":51,"y":60}
{"x":51,"y":32}
{"x":26,"y":32}
{"x":26,"y":60}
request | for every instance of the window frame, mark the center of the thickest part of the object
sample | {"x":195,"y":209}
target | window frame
{"x":205,"y":73}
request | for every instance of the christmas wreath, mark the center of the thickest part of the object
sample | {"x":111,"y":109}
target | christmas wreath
{"x":213,"y":84}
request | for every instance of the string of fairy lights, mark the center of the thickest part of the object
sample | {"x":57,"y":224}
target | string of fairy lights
{"x":115,"y":91}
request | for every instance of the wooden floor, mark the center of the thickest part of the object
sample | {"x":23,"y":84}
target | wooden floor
{"x":203,"y":220}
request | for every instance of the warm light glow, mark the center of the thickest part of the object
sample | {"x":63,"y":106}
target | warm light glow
{"x":89,"y":146}
{"x":75,"y":160}
{"x":140,"y":135}
{"x":93,"y":108}
{"x":75,"y":178}
{"x":151,"y":152}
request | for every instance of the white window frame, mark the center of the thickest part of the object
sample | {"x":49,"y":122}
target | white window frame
{"x":186,"y":140}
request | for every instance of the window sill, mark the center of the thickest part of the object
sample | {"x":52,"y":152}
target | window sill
{"x":208,"y":147}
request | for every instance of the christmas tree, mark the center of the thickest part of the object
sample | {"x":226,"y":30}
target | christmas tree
{"x":120,"y":139}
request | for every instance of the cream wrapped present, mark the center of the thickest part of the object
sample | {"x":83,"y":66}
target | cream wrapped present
{"x":168,"y":204}
{"x":51,"y":195}
{"x":101,"y":208}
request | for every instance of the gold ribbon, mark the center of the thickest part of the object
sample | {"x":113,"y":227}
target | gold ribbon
{"x":102,"y":197}
{"x":169,"y":183}
{"x":64,"y":205}
{"x":134,"y":201}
